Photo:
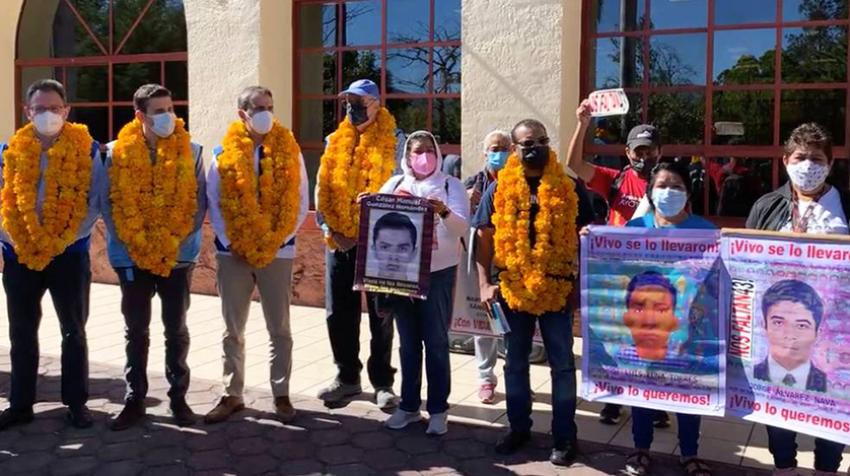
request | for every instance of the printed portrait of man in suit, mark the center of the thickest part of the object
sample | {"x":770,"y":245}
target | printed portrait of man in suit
{"x":793,"y":312}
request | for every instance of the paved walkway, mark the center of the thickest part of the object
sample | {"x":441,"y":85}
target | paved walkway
{"x":348,"y":440}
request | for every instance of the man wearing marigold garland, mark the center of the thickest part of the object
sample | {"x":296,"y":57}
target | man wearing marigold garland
{"x":154,"y":209}
{"x":51,"y":185}
{"x":527,"y":227}
{"x":362,"y":151}
{"x":257,"y":196}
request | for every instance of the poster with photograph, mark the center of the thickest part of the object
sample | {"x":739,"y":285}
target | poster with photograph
{"x":652,"y":327}
{"x":788,"y":357}
{"x":394,"y":245}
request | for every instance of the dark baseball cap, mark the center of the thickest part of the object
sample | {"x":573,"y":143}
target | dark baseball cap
{"x":643,"y":135}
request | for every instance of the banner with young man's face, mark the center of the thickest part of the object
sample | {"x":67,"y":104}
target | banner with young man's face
{"x":788,"y":363}
{"x":394,"y":246}
{"x":651,"y":308}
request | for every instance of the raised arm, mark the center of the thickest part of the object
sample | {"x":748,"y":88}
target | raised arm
{"x":575,"y":155}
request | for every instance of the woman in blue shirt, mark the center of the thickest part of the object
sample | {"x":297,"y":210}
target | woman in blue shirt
{"x":669,"y":193}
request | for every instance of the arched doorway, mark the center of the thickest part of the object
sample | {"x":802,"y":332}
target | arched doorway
{"x":102,"y":50}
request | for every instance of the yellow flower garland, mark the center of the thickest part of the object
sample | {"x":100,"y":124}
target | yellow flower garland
{"x":535,"y":279}
{"x":349,"y":168}
{"x":259,"y":212}
{"x":67,"y":180}
{"x":153,"y":204}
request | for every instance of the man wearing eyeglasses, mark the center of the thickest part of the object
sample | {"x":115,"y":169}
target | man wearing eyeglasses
{"x":52,"y":180}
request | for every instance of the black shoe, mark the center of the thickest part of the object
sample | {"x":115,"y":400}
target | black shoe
{"x":513,"y":441}
{"x":80,"y":417}
{"x":563,"y":454}
{"x":132,"y":413}
{"x":10,"y":418}
{"x":661,"y":420}
{"x":610,"y":415}
{"x":183,"y":415}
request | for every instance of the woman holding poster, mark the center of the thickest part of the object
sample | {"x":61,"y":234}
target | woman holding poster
{"x":806,"y":204}
{"x":427,"y":321}
{"x":668,"y":191}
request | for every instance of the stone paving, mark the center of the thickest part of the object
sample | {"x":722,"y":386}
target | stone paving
{"x":343,"y":441}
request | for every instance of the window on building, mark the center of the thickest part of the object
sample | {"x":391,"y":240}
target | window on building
{"x":102,"y":50}
{"x":725,"y":80}
{"x":410,"y":48}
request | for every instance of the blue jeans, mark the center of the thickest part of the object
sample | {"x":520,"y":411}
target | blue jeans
{"x":557,"y":331}
{"x":426,"y":321}
{"x":783,"y":446}
{"x":643,"y":429}
{"x":486,"y":356}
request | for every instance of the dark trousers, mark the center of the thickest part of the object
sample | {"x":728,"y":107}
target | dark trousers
{"x":426,"y":322}
{"x":643,"y":428}
{"x":138,"y":287}
{"x":783,"y":446}
{"x":557,"y":331}
{"x":68,"y":278}
{"x":343,"y":317}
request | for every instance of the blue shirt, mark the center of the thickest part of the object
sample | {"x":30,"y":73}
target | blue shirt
{"x":190,"y":248}
{"x":693,"y":221}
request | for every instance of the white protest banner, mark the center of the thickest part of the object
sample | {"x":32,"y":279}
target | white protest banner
{"x":608,"y":102}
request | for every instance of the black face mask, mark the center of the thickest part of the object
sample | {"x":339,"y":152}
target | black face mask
{"x":357,"y":113}
{"x":644,"y":166}
{"x":535,"y":157}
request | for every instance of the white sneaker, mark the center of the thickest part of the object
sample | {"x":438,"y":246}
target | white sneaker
{"x":438,"y":424}
{"x":401,"y":419}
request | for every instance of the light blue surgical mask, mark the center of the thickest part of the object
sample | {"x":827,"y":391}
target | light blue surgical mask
{"x":496,"y":159}
{"x":669,"y":202}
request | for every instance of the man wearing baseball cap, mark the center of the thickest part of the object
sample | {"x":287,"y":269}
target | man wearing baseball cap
{"x":368,"y":131}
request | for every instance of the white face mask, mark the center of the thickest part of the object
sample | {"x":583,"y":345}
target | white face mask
{"x":163,"y":124}
{"x":48,"y":123}
{"x":669,"y":202}
{"x":807,"y":175}
{"x":262,"y":122}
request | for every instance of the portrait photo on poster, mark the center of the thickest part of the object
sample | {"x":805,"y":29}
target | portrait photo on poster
{"x":395,"y":245}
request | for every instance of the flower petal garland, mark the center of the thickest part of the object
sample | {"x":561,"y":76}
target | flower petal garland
{"x":536,"y":279}
{"x":153,"y":204}
{"x":67,"y":179}
{"x":259,"y":211}
{"x":349,"y":167}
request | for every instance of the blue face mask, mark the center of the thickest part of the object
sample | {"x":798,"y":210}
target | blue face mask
{"x":497,"y":160}
{"x":669,"y":202}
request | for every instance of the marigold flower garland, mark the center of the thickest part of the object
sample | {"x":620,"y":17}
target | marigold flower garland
{"x":259,"y":212}
{"x":39,"y":238}
{"x":153,"y":204}
{"x":535,"y":279}
{"x":349,"y":168}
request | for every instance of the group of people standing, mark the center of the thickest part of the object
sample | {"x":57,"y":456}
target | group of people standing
{"x":153,"y":192}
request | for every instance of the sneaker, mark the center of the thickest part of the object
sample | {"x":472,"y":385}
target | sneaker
{"x":11,"y":417}
{"x":385,"y":399}
{"x":132,"y":413}
{"x":610,"y":415}
{"x":513,"y":441}
{"x":563,"y":454}
{"x":438,"y":424}
{"x":183,"y":415}
{"x":401,"y":419}
{"x":661,"y":419}
{"x":338,"y":391}
{"x":226,"y":406}
{"x":638,"y":463}
{"x":487,"y":393}
{"x":80,"y":417}
{"x":284,"y":410}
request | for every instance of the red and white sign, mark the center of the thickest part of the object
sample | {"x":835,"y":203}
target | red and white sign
{"x":608,"y":102}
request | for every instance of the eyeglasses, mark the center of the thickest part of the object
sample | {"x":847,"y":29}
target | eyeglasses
{"x":527,"y":144}
{"x":54,"y":109}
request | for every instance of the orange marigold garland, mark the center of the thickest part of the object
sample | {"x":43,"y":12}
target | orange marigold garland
{"x":349,"y":168}
{"x":153,"y":204}
{"x":259,"y":212}
{"x":536,"y":279}
{"x":67,"y":179}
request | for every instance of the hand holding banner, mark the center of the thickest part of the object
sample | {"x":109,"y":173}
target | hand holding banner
{"x":608,"y":102}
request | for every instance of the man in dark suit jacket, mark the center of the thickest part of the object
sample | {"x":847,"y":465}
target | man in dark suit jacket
{"x":792,"y":313}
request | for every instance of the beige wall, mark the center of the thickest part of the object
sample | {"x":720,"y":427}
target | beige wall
{"x":513,"y":52}
{"x":9,"y":24}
